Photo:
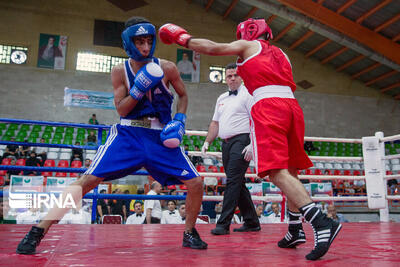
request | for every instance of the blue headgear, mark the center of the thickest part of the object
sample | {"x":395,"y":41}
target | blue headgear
{"x":139,"y":29}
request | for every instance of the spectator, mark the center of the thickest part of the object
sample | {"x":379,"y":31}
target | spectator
{"x":11,"y":172}
{"x":391,"y":184}
{"x":196,"y":160}
{"x":87,"y":163}
{"x":359,"y":186}
{"x":137,"y":217}
{"x":91,"y":139}
{"x":41,"y":152}
{"x":209,"y":206}
{"x":139,"y":191}
{"x":117,"y":206}
{"x":127,"y":202}
{"x":182,"y":217}
{"x":275,"y":216}
{"x":322,"y":205}
{"x":218,"y":209}
{"x":24,"y":151}
{"x":5,"y":218}
{"x":77,"y":153}
{"x":32,"y":161}
{"x":308,"y":146}
{"x":103,"y":207}
{"x":152,"y":208}
{"x":11,"y":150}
{"x":93,"y":120}
{"x":76,"y":217}
{"x":171,"y":215}
{"x":334,"y":215}
{"x":260,"y":214}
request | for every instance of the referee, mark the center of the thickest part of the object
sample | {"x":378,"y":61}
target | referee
{"x":231,"y":123}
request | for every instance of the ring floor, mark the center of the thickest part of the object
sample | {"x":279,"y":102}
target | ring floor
{"x":368,"y":244}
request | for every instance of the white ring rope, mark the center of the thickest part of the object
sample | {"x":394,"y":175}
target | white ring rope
{"x":395,"y":156}
{"x":272,"y":198}
{"x":390,"y":138}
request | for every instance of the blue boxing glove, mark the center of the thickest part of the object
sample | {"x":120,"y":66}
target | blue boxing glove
{"x":146,"y":78}
{"x":171,"y":135}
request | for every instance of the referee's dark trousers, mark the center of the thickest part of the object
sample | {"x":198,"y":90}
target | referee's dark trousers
{"x":236,"y":192}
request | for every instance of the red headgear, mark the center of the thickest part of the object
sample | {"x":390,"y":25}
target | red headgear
{"x":251,"y":29}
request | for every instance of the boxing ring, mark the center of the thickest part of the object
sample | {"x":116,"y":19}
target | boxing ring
{"x":153,"y":245}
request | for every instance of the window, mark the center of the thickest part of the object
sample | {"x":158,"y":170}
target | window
{"x":13,"y":54}
{"x":97,"y":62}
{"x":217,"y":74}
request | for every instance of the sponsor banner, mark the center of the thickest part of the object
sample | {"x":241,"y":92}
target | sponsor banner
{"x":88,"y":99}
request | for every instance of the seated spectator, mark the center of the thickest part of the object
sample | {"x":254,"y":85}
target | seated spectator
{"x":359,"y":186}
{"x":322,"y":205}
{"x":209,"y":206}
{"x":76,"y":217}
{"x":348,"y":188}
{"x":87,"y":163}
{"x":308,"y":146}
{"x":32,"y":216}
{"x":5,"y":217}
{"x":34,"y":162}
{"x":275,"y":216}
{"x":171,"y":215}
{"x":152,"y":207}
{"x":103,"y":207}
{"x":140,"y":191}
{"x":334,"y":215}
{"x":392,"y":185}
{"x":235,"y":218}
{"x":41,"y":152}
{"x":77,"y":153}
{"x":11,"y":150}
{"x":137,"y":217}
{"x":196,"y":159}
{"x":117,"y":206}
{"x":91,"y":139}
{"x":11,"y":172}
{"x":93,"y":120}
{"x":24,"y":151}
{"x":260,"y":213}
{"x":182,"y":216}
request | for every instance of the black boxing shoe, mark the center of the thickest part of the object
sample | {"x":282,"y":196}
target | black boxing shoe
{"x":32,"y":239}
{"x":292,"y":239}
{"x":323,"y":238}
{"x":193,"y":240}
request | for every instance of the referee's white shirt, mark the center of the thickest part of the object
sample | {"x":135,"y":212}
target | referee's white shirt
{"x":154,"y":205}
{"x":232,"y":112}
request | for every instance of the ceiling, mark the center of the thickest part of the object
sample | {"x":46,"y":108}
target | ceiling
{"x":358,"y":37}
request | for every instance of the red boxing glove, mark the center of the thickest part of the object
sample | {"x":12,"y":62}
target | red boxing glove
{"x":170,"y":33}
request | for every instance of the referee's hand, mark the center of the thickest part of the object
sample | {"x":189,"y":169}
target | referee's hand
{"x":248,"y":153}
{"x":204,"y":148}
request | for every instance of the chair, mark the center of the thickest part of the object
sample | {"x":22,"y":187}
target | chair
{"x":395,"y":161}
{"x":396,"y":167}
{"x":200,"y":168}
{"x":49,"y":163}
{"x":308,"y":172}
{"x":6,"y":161}
{"x":346,"y":172}
{"x":317,"y":172}
{"x":76,"y":164}
{"x":52,"y":155}
{"x":356,"y":173}
{"x":63,"y":163}
{"x":3,"y":172}
{"x":337,"y":172}
{"x":205,"y":218}
{"x":20,"y":162}
{"x":213,"y":169}
{"x":65,"y":156}
{"x":61,"y":174}
{"x":347,"y":166}
{"x":111,"y":219}
{"x":319,"y":165}
{"x":73,"y":174}
{"x":37,"y":128}
{"x":54,"y":149}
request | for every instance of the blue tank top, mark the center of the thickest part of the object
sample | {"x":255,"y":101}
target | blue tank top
{"x":156,"y":103}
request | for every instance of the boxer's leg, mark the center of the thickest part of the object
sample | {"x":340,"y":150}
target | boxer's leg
{"x":32,"y":239}
{"x":325,"y":230}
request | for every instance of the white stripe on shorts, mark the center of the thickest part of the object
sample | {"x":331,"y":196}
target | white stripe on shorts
{"x":189,"y":161}
{"x":254,"y":143}
{"x":100,"y":153}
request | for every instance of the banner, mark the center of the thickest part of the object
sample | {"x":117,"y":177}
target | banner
{"x":88,"y":99}
{"x":52,"y":50}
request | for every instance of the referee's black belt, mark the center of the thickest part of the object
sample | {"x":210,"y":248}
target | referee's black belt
{"x":226,"y":140}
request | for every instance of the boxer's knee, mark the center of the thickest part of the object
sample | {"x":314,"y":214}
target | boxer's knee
{"x":194,"y":184}
{"x":88,"y":182}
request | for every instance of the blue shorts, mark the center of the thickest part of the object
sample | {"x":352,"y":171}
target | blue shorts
{"x":129,"y":148}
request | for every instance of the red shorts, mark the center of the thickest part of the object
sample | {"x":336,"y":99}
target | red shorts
{"x":277,"y":133}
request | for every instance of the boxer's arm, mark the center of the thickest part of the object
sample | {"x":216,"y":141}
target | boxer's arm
{"x":241,"y":48}
{"x":124,"y":103}
{"x":172,"y":74}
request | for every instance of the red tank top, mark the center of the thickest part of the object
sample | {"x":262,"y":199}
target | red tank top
{"x":269,"y":66}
